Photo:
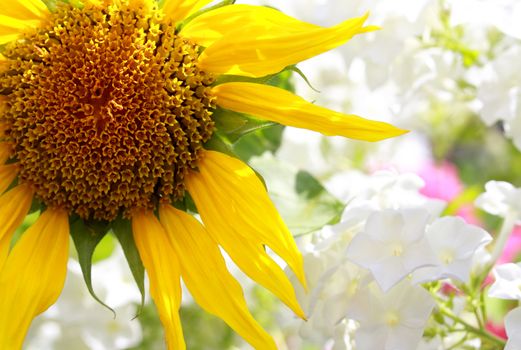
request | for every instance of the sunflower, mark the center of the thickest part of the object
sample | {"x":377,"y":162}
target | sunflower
{"x":108,"y":110}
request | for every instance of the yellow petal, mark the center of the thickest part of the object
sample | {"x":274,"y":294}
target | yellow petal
{"x":177,"y":10}
{"x":12,"y":28}
{"x":256,"y":52}
{"x":98,"y":3}
{"x":33,"y":275}
{"x":205,"y":274}
{"x":161,"y":263}
{"x":237,"y":212}
{"x":213,"y":25}
{"x":7,"y":175}
{"x":5,"y":151}
{"x":281,"y":106}
{"x":14,"y":206}
{"x":24,"y":9}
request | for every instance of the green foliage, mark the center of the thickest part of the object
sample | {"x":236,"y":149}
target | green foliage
{"x":28,"y":221}
{"x":104,"y":249}
{"x":453,"y":38}
{"x":258,"y":142}
{"x":303,"y":202}
{"x":153,"y":335}
{"x":233,"y":125}
{"x":206,"y":332}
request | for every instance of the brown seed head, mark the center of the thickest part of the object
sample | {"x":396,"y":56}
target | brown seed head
{"x":106,"y":108}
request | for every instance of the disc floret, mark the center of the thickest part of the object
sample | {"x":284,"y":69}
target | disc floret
{"x":106,"y":109}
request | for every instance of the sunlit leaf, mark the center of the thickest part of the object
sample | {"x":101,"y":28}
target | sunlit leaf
{"x":303,"y":202}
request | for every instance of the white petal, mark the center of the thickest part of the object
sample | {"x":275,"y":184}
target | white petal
{"x":455,"y":234}
{"x":365,"y":251}
{"x":459,"y":269}
{"x":403,"y":338}
{"x":370,"y":338}
{"x":512,"y":326}
{"x":414,"y":303}
{"x":385,"y":226}
{"x":389,"y":272}
{"x":415,"y":220}
{"x":419,"y":254}
{"x":508,"y":282}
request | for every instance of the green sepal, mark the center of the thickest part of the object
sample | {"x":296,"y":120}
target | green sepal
{"x":36,"y":205}
{"x":200,"y":12}
{"x":230,"y":78}
{"x":297,"y":70}
{"x":86,"y":236}
{"x":123,"y":231}
{"x":219,"y":143}
{"x":234,"y":125}
{"x":187,"y":204}
{"x":280,"y":79}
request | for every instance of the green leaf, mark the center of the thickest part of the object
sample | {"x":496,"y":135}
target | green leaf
{"x":86,"y":236}
{"x":256,"y":143}
{"x":123,"y":231}
{"x":304,"y":204}
{"x":104,"y":249}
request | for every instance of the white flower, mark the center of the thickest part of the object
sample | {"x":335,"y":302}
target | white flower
{"x":393,"y":320}
{"x":513,"y":325}
{"x":500,"y":93}
{"x":503,"y":14}
{"x":333,"y":287}
{"x":508,"y":282}
{"x":454,"y":243}
{"x":388,"y":189}
{"x":500,"y":198}
{"x":392,"y":245}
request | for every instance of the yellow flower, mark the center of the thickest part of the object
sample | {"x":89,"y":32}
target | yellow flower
{"x":105,"y":112}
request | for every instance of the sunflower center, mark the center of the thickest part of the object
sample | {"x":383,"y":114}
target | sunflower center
{"x":106,"y":109}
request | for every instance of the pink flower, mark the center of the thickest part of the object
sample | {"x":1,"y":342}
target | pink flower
{"x":442,"y":182}
{"x":512,"y":248}
{"x":496,"y":329}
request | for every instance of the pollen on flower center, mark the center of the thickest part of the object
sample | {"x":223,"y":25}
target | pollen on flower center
{"x":392,"y":319}
{"x":447,"y":256}
{"x":397,"y":249}
{"x":106,"y":109}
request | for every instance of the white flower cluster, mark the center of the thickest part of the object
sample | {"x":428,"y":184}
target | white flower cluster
{"x":432,"y":60}
{"x":365,"y":273}
{"x":503,"y":199}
